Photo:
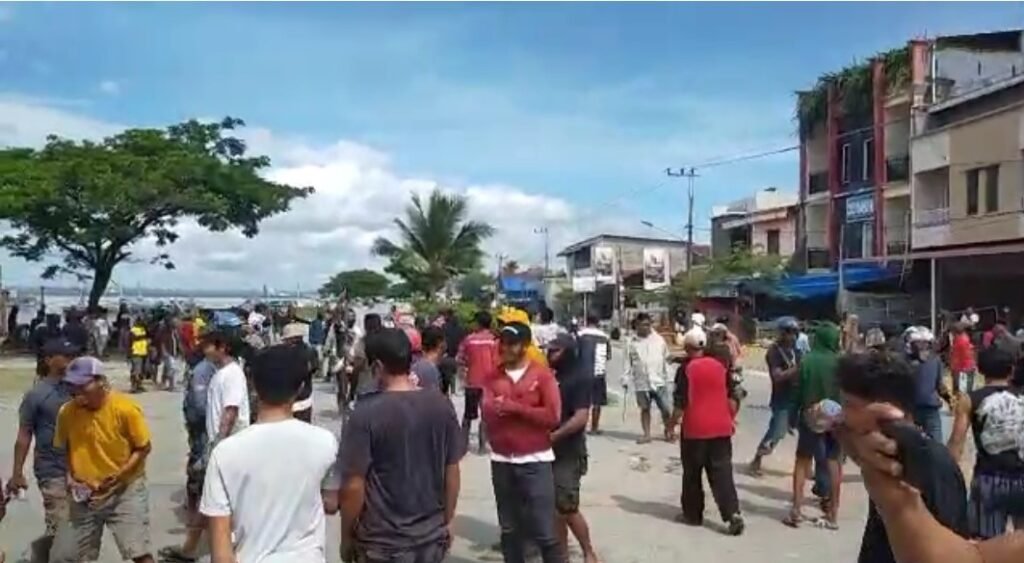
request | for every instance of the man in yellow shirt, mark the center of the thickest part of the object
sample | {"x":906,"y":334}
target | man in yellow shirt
{"x":107,"y":441}
{"x":139,"y":354}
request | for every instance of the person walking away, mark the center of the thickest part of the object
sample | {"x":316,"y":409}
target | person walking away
{"x":363,"y":379}
{"x":138,"y":353}
{"x":961,"y":360}
{"x":197,"y":384}
{"x":783,"y":361}
{"x":647,"y":372}
{"x":100,"y":332}
{"x":547,"y":330}
{"x":122,"y":327}
{"x":706,"y":404}
{"x":931,"y":391}
{"x":399,"y":466}
{"x":74,"y":331}
{"x":570,"y":442}
{"x":817,"y":382}
{"x":478,"y":354}
{"x":521,"y":407}
{"x":37,"y":419}
{"x":293,"y":335}
{"x":595,"y":352}
{"x":252,"y":516}
{"x":318,"y":337}
{"x":865,"y":381}
{"x":227,"y":413}
{"x":426,"y":373}
{"x":449,"y":365}
{"x":171,"y":352}
{"x":107,"y":443}
{"x":994,"y":414}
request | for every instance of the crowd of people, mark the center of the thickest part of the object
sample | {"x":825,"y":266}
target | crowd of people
{"x":533,"y":389}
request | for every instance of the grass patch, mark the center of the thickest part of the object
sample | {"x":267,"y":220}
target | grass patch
{"x":16,"y":380}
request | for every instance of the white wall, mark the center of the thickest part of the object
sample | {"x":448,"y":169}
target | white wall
{"x":930,"y":152}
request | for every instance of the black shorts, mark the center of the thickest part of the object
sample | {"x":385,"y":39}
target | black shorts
{"x":473,"y":398}
{"x":599,"y":394}
{"x":449,"y":369}
{"x":569,"y":469}
{"x":810,"y":443}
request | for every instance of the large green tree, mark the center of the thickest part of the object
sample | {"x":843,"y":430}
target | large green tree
{"x":83,"y":205}
{"x":438,"y":242}
{"x":476,"y":286}
{"x":358,"y":284}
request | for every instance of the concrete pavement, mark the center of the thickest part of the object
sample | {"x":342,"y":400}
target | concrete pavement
{"x":630,"y":495}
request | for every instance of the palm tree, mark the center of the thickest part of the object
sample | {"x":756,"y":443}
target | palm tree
{"x":437,"y":243}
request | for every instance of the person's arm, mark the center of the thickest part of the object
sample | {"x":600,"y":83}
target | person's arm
{"x":961,"y":424}
{"x":227,"y":422}
{"x":550,"y":409}
{"x":452,"y":485}
{"x":680,"y":398}
{"x":627,"y":365}
{"x":22,"y":444}
{"x":352,"y":499}
{"x":354,"y":460}
{"x":576,"y":423}
{"x":221,"y":549}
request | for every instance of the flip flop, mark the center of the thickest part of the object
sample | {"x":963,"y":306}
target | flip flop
{"x":794,"y":519}
{"x":825,"y":524}
{"x":175,"y":555}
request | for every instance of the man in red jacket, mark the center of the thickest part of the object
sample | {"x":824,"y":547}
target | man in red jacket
{"x":521,"y":407}
{"x":705,"y":403}
{"x":478,"y":353}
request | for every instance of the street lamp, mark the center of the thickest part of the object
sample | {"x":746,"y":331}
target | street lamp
{"x":674,"y":236}
{"x":547,"y":259}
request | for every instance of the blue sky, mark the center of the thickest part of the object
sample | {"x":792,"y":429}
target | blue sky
{"x":586,"y":103}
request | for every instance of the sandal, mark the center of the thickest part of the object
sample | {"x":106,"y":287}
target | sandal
{"x":174,"y":554}
{"x":826,"y":524}
{"x":793,"y":519}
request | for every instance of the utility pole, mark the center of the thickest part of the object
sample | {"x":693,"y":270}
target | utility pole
{"x":547,"y":248}
{"x":690,"y":175}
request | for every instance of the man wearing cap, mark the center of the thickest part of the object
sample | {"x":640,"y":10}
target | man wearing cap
{"x":931,"y":389}
{"x":705,"y":403}
{"x":107,"y":442}
{"x":37,"y":419}
{"x":647,"y":371}
{"x":782,"y":359}
{"x":521,"y":407}
{"x":575,"y":385}
{"x":293,"y":335}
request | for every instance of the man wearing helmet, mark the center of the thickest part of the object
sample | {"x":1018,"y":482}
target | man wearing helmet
{"x":931,"y":390}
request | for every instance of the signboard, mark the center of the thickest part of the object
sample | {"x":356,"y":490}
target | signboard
{"x":655,"y":268}
{"x":860,"y":208}
{"x":604,"y":264}
{"x":584,"y":284}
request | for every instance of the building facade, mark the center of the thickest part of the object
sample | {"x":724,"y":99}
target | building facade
{"x":764,"y":223}
{"x":856,"y":128}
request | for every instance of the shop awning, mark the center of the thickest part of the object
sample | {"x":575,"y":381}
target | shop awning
{"x":820,"y":285}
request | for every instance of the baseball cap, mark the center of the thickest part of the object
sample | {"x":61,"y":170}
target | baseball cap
{"x":694,"y":338}
{"x":60,"y":347}
{"x":516,"y":333}
{"x":788,"y":323}
{"x":293,"y":330}
{"x":83,"y":370}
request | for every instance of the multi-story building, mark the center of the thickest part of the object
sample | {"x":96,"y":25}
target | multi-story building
{"x":764,"y":223}
{"x":968,"y":174}
{"x":855,"y":134}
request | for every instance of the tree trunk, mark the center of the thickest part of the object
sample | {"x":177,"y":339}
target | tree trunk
{"x":100,"y":281}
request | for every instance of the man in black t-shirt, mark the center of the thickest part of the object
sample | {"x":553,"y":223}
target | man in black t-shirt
{"x":783,"y":361}
{"x":399,"y":465}
{"x":293,"y":336}
{"x":883,"y":377}
{"x":569,"y":442}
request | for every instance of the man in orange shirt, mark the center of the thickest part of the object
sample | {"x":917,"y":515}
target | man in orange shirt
{"x":478,"y":354}
{"x":961,"y":360}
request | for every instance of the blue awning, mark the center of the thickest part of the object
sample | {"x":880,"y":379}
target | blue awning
{"x":520,"y":285}
{"x":819,"y":285}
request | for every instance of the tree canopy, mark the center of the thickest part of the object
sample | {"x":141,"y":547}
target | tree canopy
{"x":82,"y":205}
{"x":438,"y":242}
{"x":357,"y":284}
{"x":476,"y":286}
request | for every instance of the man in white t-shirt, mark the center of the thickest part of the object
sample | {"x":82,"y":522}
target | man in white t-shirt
{"x":227,"y":412}
{"x":267,"y":488}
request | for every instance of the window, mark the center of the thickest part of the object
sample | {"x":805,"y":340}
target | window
{"x":868,"y":162}
{"x":972,"y":191}
{"x":773,"y":242}
{"x":992,"y":189}
{"x":845,"y":163}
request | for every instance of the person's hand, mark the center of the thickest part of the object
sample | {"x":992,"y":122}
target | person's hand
{"x":348,"y":551}
{"x":16,"y":484}
{"x":503,"y":407}
{"x":874,"y":450}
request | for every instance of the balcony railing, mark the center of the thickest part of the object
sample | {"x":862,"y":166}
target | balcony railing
{"x":931,"y":217}
{"x":897,"y":168}
{"x":818,"y":258}
{"x":894,"y":247}
{"x":817,"y":182}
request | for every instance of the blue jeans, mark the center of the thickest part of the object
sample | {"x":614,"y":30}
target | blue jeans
{"x":930,"y":420}
{"x":778,"y":427}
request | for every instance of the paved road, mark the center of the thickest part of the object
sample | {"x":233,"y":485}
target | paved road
{"x":630,"y":508}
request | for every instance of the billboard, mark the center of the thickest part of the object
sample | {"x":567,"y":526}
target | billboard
{"x":584,"y":284}
{"x":656,"y":271}
{"x":604,"y":264}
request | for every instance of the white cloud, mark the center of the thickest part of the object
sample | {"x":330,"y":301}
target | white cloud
{"x":358,"y":195}
{"x":110,"y":87}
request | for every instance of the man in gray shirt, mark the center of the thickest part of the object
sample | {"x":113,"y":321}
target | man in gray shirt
{"x":427,"y":374}
{"x":37,"y":418}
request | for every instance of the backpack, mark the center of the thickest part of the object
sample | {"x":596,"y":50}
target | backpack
{"x":1003,"y":430}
